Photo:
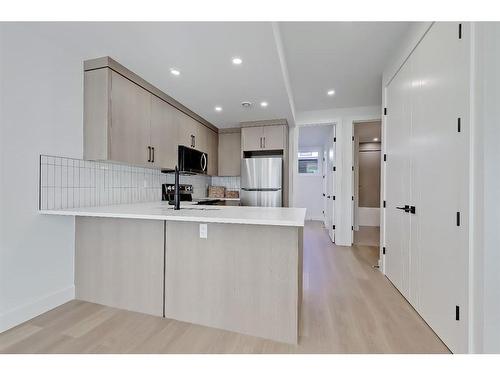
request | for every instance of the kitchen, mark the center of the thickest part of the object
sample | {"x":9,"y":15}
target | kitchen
{"x":129,"y":121}
{"x":155,"y":196}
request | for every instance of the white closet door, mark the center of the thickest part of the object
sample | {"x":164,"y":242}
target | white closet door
{"x":398,"y":182}
{"x":439,"y":189}
{"x":331,"y":185}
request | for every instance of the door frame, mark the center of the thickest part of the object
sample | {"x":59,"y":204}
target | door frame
{"x":294,"y":163}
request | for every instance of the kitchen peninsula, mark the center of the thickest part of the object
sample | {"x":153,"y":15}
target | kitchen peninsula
{"x":234,"y":268}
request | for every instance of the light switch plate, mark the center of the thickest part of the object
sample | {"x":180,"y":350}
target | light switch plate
{"x":203,"y":231}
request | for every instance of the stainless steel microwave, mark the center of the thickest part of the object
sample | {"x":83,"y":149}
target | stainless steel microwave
{"x":192,"y":161}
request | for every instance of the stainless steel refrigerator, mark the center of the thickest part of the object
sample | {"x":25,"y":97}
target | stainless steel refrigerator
{"x":261,"y":182}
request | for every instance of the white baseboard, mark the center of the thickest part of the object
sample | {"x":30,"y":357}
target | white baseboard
{"x":28,"y":311}
{"x":316,"y":218}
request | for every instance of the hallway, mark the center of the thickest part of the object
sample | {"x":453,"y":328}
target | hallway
{"x":348,"y":307}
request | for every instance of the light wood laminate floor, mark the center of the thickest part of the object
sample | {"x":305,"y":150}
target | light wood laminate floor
{"x":348,"y":307}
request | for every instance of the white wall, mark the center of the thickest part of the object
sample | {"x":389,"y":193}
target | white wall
{"x":41,"y":112}
{"x":486,"y":161}
{"x":344,"y":119}
{"x":309,"y":190}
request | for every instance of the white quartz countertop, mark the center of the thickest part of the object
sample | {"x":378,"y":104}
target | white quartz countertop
{"x":285,"y":216}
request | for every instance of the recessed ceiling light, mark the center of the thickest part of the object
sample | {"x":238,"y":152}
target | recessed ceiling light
{"x":263,"y":104}
{"x":175,"y":72}
{"x":331,"y":92}
{"x":375,"y":139}
{"x":237,"y":61}
{"x":218,"y":109}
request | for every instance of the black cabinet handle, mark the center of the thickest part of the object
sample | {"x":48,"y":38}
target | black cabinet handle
{"x":406,"y":208}
{"x":149,"y":154}
{"x":153,"y":157}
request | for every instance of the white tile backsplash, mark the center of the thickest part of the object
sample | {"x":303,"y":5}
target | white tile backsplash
{"x":69,"y":183}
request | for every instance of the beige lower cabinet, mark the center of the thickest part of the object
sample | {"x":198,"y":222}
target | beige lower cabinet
{"x":119,"y":263}
{"x":230,"y":153}
{"x":242,"y":278}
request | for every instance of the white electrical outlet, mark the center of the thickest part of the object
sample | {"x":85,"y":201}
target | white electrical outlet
{"x":203,"y":231}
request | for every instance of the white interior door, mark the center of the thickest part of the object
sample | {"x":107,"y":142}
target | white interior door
{"x":427,"y":167}
{"x":331,"y":183}
{"x":398,"y":125}
{"x":325,"y":180}
{"x":440,"y":190}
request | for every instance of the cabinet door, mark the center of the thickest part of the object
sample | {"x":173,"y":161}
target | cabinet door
{"x":119,"y":263}
{"x":188,"y":128}
{"x":274,"y":137}
{"x":230,"y":154}
{"x":252,"y":138}
{"x":213,"y":154}
{"x":130,"y":122}
{"x":202,"y":141}
{"x":164,"y":133}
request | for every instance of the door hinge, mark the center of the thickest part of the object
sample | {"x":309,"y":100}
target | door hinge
{"x":457,"y":312}
{"x":353,"y":138}
{"x":334,"y":197}
{"x":334,"y":169}
{"x":459,"y":31}
{"x":352,"y":227}
{"x":383,"y":250}
{"x":385,"y":157}
{"x":323,"y":210}
{"x":384,"y":204}
{"x":352,"y":168}
{"x":459,"y":124}
{"x":352,"y":197}
{"x":334,"y":139}
{"x":333,"y":227}
{"x":458,"y":219}
{"x":385,"y":111}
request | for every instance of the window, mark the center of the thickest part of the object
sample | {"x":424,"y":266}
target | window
{"x":309,"y":162}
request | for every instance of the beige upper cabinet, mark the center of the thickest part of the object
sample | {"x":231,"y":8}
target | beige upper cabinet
{"x":271,"y":137}
{"x":251,"y":138}
{"x":164,"y":134}
{"x":188,"y":130}
{"x":128,"y":120}
{"x":230,"y":154}
{"x":129,"y":130}
{"x":274,"y":137}
{"x":213,"y":153}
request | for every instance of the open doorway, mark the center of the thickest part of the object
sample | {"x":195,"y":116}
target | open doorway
{"x":367,"y":182}
{"x":314,"y":188}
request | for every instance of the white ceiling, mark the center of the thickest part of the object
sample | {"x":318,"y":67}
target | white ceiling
{"x":311,"y":136}
{"x":349,"y":57}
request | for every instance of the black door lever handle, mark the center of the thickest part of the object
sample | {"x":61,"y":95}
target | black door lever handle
{"x":406,"y":208}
